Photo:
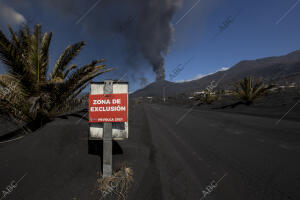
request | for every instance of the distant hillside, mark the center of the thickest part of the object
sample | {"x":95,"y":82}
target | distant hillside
{"x":279,"y":70}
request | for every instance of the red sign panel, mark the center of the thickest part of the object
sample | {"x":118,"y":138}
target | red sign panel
{"x":108,"y":108}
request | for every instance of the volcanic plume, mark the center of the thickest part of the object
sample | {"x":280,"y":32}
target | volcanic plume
{"x":145,"y":25}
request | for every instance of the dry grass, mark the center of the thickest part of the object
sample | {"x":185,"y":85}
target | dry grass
{"x":118,"y":185}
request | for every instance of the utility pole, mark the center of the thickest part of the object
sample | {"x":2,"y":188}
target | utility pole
{"x":164,"y":93}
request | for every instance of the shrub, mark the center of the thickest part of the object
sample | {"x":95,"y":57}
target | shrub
{"x":247,"y":90}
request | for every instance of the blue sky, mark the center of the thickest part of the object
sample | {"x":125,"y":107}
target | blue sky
{"x":254,"y":33}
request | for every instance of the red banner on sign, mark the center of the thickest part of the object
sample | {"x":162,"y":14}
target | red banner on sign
{"x":108,"y":108}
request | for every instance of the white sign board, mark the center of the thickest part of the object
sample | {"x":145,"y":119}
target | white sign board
{"x":119,"y":129}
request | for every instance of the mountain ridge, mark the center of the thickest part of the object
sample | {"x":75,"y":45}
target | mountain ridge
{"x":282,"y":69}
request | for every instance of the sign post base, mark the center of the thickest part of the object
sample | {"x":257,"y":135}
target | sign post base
{"x":107,"y":150}
{"x":107,"y":137}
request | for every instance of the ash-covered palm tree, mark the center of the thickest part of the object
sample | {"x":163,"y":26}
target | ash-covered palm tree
{"x":247,"y":90}
{"x":27,"y":93}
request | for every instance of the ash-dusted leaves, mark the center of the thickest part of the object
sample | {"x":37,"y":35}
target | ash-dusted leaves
{"x":27,"y":93}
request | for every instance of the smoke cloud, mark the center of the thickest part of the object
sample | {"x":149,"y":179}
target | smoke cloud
{"x":145,"y":24}
{"x":155,"y":32}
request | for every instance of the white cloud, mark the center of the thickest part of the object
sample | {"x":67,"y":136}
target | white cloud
{"x":198,"y":76}
{"x":9,"y":16}
{"x":195,"y":78}
{"x":223,"y":69}
{"x":202,"y":75}
{"x":181,"y":81}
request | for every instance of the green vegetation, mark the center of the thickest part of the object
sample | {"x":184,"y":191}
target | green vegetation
{"x":27,"y":93}
{"x":247,"y":90}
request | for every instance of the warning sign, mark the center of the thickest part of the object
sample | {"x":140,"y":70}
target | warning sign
{"x":108,"y":108}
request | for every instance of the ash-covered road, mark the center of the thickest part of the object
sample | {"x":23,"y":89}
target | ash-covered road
{"x":255,"y":158}
{"x":239,"y":156}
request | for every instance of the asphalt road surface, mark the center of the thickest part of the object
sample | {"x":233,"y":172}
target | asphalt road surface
{"x":175,"y":153}
{"x":250,"y":157}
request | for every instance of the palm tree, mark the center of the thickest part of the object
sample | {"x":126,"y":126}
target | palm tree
{"x":31,"y":94}
{"x":247,"y":91}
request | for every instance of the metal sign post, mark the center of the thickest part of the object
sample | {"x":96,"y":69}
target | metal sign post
{"x":108,"y":116}
{"x":107,"y":137}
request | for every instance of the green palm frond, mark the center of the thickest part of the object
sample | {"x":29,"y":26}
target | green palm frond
{"x":44,"y":55}
{"x":34,"y":52}
{"x":75,"y":94}
{"x":70,"y":53}
{"x":69,"y":70}
{"x":9,"y":56}
{"x":14,"y":37}
{"x":80,"y":76}
{"x":73,"y":80}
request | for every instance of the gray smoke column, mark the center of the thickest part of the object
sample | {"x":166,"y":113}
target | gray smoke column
{"x":155,"y":32}
{"x":149,"y":35}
